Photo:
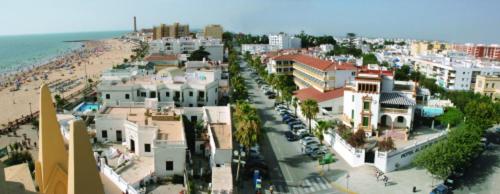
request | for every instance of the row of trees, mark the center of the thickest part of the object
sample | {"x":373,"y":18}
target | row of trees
{"x":472,"y":115}
{"x":312,"y":41}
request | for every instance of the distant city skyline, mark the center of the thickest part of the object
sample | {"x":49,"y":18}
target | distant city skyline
{"x":449,"y":20}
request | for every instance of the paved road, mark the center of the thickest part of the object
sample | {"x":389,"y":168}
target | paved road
{"x":290,"y":171}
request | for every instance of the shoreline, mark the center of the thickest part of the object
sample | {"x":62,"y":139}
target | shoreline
{"x":66,"y":74}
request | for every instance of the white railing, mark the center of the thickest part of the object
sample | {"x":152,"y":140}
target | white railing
{"x":119,"y":181}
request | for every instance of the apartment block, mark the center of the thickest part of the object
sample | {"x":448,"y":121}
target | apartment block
{"x":488,"y":86}
{"x":175,"y":30}
{"x":213,"y":31}
{"x":284,"y":41}
{"x":321,"y":74}
{"x":479,"y":50}
{"x":186,"y":45}
{"x":454,"y":73}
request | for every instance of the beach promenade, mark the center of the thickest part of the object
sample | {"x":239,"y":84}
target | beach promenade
{"x":69,"y":73}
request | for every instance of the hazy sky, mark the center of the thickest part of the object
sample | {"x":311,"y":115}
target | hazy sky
{"x":452,"y":20}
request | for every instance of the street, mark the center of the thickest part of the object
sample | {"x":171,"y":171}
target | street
{"x":290,"y":170}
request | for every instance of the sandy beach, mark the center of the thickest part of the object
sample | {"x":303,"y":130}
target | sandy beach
{"x":67,"y":72}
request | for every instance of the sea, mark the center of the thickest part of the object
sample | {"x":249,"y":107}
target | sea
{"x":18,"y":52}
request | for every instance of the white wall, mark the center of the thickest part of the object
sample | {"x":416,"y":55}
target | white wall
{"x":389,"y":161}
{"x":354,"y":157}
{"x":165,"y":153}
{"x":111,"y":125}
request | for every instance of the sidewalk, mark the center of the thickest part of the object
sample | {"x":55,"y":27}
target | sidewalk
{"x":362,"y":179}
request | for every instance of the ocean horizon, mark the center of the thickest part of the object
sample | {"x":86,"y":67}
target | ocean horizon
{"x":22,"y":51}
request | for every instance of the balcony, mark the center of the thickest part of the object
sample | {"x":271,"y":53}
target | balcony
{"x":394,"y":110}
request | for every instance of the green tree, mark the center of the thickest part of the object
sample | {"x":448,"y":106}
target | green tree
{"x":370,"y":58}
{"x":199,"y":55}
{"x":309,"y":109}
{"x":402,"y":73}
{"x":452,"y":116}
{"x":482,"y":114}
{"x":321,"y":128}
{"x":295,"y":104}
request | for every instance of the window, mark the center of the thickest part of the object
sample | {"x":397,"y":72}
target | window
{"x":170,"y":165}
{"x":127,"y":96}
{"x":152,"y":94}
{"x":352,"y":114}
{"x":190,"y":93}
{"x":167,"y":94}
{"x":493,"y":85}
{"x":108,"y":96}
{"x":353,"y":98}
{"x":143,"y":94}
{"x":147,"y":147}
{"x":401,"y":119}
{"x":366,"y":105}
{"x":190,"y":105}
{"x":486,"y":85}
{"x":104,"y":134}
{"x":365,"y":122}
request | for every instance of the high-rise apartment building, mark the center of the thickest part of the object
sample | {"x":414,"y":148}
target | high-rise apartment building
{"x":479,"y":51}
{"x":213,"y":31}
{"x":284,"y":41}
{"x":175,"y":30}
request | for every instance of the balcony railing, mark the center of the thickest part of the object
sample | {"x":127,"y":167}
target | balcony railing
{"x":394,"y":110}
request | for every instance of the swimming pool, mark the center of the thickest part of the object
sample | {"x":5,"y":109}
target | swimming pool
{"x":85,"y":106}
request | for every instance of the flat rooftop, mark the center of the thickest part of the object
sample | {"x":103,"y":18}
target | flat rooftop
{"x":139,"y":168}
{"x":169,"y":124}
{"x":222,"y":179}
{"x":223,"y":136}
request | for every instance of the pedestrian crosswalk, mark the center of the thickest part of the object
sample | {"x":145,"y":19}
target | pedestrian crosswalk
{"x":314,"y":184}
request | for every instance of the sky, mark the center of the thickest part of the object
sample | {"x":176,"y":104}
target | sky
{"x":450,"y":20}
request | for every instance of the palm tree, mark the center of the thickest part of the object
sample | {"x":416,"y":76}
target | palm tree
{"x":309,"y":109}
{"x":286,"y":96}
{"x":295,"y":104}
{"x":321,"y":128}
{"x":248,"y":127}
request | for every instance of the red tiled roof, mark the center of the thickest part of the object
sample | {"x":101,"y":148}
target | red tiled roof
{"x":322,"y":64}
{"x":161,"y":58}
{"x":284,"y":57}
{"x":377,"y":72}
{"x":312,"y":93}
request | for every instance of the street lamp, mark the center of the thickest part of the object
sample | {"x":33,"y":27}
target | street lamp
{"x":239,"y":153}
{"x":347,"y":181}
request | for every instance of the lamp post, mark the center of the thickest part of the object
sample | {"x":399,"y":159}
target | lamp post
{"x":239,"y":153}
{"x":347,"y":182}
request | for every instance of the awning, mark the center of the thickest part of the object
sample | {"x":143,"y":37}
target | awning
{"x":396,"y":99}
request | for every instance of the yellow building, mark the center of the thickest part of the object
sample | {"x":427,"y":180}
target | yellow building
{"x":56,"y":170}
{"x":213,"y":31}
{"x":175,"y":30}
{"x":488,"y":85}
{"x":426,"y":47}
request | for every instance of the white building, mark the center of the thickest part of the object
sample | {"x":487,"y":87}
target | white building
{"x":146,"y":133}
{"x":454,"y":73}
{"x":374,"y":100}
{"x":325,"y":48}
{"x":256,"y":48}
{"x":284,"y":41}
{"x":217,"y":121}
{"x":190,"y":88}
{"x":186,"y":45}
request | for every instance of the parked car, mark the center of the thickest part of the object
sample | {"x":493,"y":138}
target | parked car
{"x":314,"y":148}
{"x":289,"y":119}
{"x":440,"y":189}
{"x":308,"y":139}
{"x":296,"y":122}
{"x":317,"y":154}
{"x":309,"y":143}
{"x":290,"y":136}
{"x":298,"y":127}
